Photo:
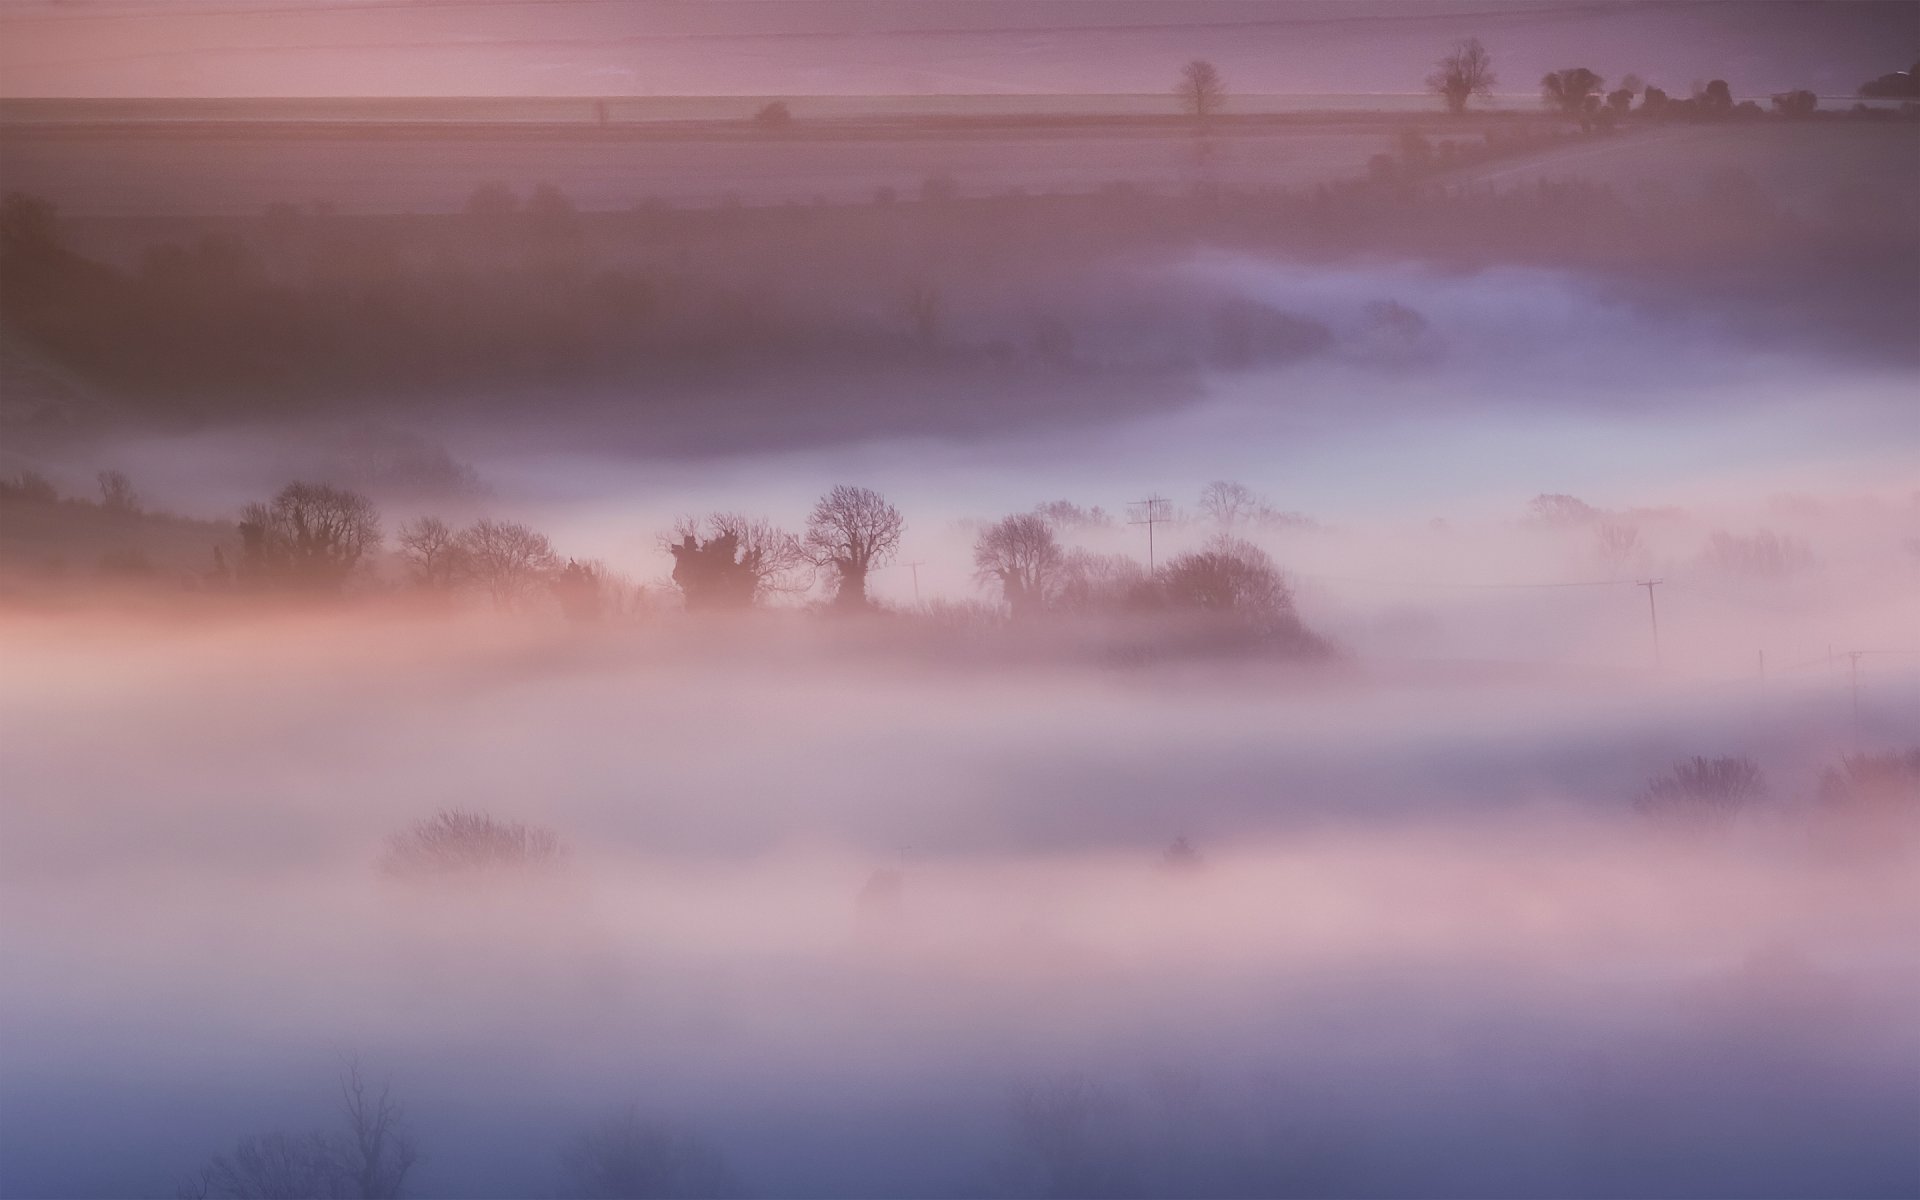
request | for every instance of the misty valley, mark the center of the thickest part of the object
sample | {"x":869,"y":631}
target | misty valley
{"x":1054,"y":649}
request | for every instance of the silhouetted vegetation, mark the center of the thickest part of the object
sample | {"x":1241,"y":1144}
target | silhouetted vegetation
{"x":1462,"y":75}
{"x":850,"y":531}
{"x":452,"y":845}
{"x":309,"y":536}
{"x":1703,"y":795}
{"x":368,"y":1158}
{"x":627,"y":1158}
{"x":1201,"y":89}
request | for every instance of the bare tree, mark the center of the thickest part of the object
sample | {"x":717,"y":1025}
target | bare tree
{"x":1575,"y":91}
{"x":272,"y":1166}
{"x":1462,"y":75}
{"x":508,"y":559}
{"x":1702,"y":795}
{"x":1228,"y":575}
{"x":378,"y":1150}
{"x":432,"y":552}
{"x":368,"y":1159}
{"x":734,"y":561}
{"x":852,"y":530}
{"x":308,"y":535}
{"x":1022,"y":556}
{"x":627,"y":1158}
{"x":116,"y":493}
{"x":452,"y":843}
{"x":1091,"y":583}
{"x":1618,"y":543}
{"x":1228,"y":504}
{"x":1201,"y":90}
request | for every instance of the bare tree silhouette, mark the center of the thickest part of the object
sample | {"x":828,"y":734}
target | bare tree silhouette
{"x":1022,"y":556}
{"x":1462,"y":75}
{"x":627,"y":1158}
{"x":508,"y":559}
{"x":1201,"y":90}
{"x":852,"y":530}
{"x":369,"y":1158}
{"x":309,"y":535}
{"x":432,"y":552}
{"x":734,"y":561}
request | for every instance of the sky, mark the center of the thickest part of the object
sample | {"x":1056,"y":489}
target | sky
{"x":237,"y":48}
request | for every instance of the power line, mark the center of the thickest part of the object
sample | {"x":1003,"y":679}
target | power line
{"x":1157,"y":511}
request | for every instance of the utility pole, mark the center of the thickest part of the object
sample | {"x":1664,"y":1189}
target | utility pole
{"x":1154,"y":510}
{"x":1653,"y":615}
{"x":915,"y":568}
{"x":1853,"y":673}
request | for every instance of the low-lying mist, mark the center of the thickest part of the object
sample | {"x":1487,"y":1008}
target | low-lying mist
{"x":870,"y":918}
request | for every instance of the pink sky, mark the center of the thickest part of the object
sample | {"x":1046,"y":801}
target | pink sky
{"x":801,"y":47}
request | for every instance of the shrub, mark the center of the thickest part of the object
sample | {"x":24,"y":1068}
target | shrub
{"x":1872,"y":784}
{"x":453,"y":843}
{"x":28,"y":487}
{"x":626,"y":1158}
{"x":1703,"y":794}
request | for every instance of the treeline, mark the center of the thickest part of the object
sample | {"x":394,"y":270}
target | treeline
{"x":318,"y":540}
{"x":283,"y":311}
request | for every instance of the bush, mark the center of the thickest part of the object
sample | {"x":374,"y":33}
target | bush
{"x":1703,"y":794}
{"x":28,"y":487}
{"x":453,"y":843}
{"x":1872,"y":784}
{"x":626,"y":1158}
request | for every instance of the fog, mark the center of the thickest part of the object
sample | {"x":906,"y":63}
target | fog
{"x":1056,"y":647}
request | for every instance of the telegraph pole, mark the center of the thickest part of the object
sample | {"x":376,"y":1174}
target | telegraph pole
{"x":1653,"y":615}
{"x":915,"y":568}
{"x":1154,"y":511}
{"x":1853,"y":674}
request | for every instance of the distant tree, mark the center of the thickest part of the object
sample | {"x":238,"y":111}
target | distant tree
{"x":579,"y":588}
{"x":1620,"y":101}
{"x":507,"y":559}
{"x":1653,"y":101}
{"x":732,"y":561}
{"x":773,"y":115}
{"x":1065,"y":514}
{"x":1894,"y":85}
{"x":1092,"y":583}
{"x":310,"y":535}
{"x":454,"y":844}
{"x":1558,"y":508}
{"x":1765,"y":556}
{"x":433,"y":554}
{"x":850,"y":531}
{"x":1229,"y":577}
{"x":1020,"y":554}
{"x":1201,"y":90}
{"x":1227,"y":503}
{"x":1703,"y":795}
{"x":27,"y":486}
{"x":1873,"y":785}
{"x":1182,"y":857}
{"x":117,"y":494}
{"x":1068,"y":1137}
{"x":368,"y":1159}
{"x":1575,"y":91}
{"x":1798,"y":103}
{"x":627,"y":1158}
{"x":1617,"y":542}
{"x":1717,"y":98}
{"x":1462,"y":75}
